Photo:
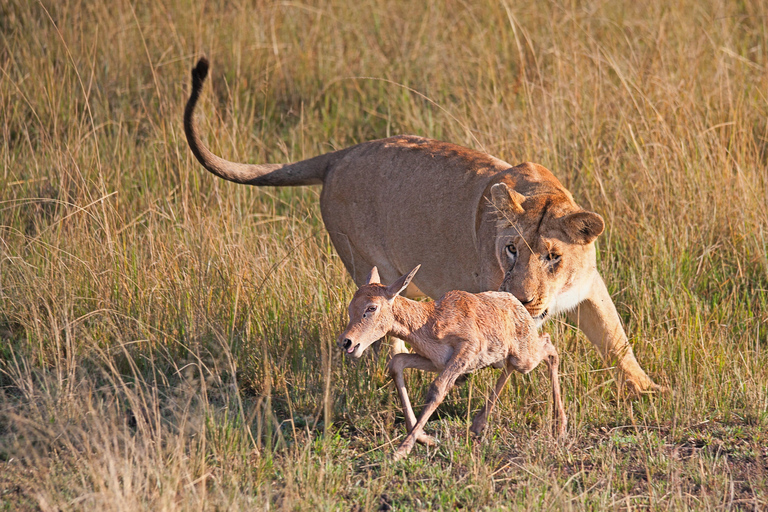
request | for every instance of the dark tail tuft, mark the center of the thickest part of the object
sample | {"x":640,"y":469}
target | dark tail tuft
{"x":306,"y":172}
{"x":199,"y":73}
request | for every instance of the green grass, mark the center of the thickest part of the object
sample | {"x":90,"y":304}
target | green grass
{"x":167,"y":338}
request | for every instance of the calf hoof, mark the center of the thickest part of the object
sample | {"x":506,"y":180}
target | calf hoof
{"x":426,"y":440}
{"x":398,"y":455}
{"x":561,"y":429}
{"x":398,"y":347}
{"x":406,"y":446}
{"x":478,"y":427}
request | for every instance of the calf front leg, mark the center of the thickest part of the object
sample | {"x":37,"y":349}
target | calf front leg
{"x":456,"y":366}
{"x":396,"y":365}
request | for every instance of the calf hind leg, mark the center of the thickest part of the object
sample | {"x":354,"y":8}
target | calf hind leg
{"x":546,"y":352}
{"x":560,"y":421}
{"x":481,"y":420}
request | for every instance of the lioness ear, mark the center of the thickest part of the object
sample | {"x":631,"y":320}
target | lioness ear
{"x":401,"y":284}
{"x":373,"y":277}
{"x":506,"y":199}
{"x":583,"y":227}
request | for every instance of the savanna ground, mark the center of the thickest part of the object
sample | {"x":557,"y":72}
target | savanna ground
{"x":167,"y":338}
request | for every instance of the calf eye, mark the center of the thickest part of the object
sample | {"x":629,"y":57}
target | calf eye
{"x":370,"y":309}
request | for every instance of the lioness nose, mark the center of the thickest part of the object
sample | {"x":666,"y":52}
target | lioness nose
{"x":347,"y":343}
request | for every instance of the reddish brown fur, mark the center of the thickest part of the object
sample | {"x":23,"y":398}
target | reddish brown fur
{"x":459,"y":333}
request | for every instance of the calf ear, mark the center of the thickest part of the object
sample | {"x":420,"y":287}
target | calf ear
{"x":583,"y":227}
{"x":506,"y":199}
{"x":373,"y":277}
{"x":401,"y":284}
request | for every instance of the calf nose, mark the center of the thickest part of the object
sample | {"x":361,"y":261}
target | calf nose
{"x":526,"y":301}
{"x":347,"y":343}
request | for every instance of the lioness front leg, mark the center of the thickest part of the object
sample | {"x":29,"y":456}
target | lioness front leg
{"x":597,"y":317}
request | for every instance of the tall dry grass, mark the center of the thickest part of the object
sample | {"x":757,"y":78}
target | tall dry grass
{"x":167,"y":336}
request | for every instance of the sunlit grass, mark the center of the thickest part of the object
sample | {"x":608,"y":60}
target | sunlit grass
{"x":166,"y":338}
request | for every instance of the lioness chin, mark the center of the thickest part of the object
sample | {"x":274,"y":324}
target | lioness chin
{"x":472,"y":221}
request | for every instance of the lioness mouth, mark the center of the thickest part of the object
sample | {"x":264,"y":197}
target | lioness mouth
{"x":541,"y":316}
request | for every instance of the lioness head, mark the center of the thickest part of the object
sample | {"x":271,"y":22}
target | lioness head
{"x":545,"y":247}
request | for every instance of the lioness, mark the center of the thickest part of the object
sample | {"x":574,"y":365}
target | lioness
{"x":474,"y":222}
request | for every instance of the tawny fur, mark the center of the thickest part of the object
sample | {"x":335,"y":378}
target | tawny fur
{"x":396,"y":202}
{"x":459,"y":333}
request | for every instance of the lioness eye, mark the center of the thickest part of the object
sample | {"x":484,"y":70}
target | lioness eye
{"x":511,"y":251}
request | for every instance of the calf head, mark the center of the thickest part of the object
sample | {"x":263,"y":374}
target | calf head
{"x":370,"y":313}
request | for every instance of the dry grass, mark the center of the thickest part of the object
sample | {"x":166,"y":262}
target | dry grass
{"x":166,"y":337}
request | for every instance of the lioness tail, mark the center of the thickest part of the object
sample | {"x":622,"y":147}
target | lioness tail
{"x":306,"y":172}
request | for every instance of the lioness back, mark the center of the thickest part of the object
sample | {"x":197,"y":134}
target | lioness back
{"x":398,"y":202}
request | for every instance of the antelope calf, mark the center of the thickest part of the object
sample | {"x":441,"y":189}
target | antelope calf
{"x":459,"y":333}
